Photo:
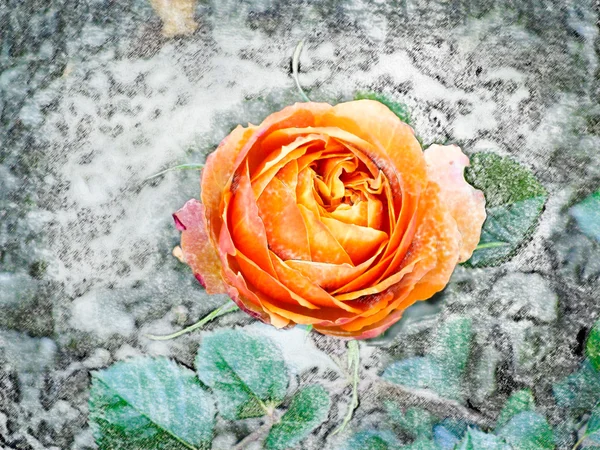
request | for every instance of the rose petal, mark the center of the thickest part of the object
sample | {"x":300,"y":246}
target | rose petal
{"x":278,"y":159}
{"x":323,"y":246}
{"x":380,"y":287}
{"x":248,"y":231}
{"x":375,"y":123}
{"x":242,"y":144}
{"x":269,"y":285}
{"x":198,"y":251}
{"x":445,"y":165}
{"x":287,"y":233}
{"x":437,"y":238}
{"x":330,"y":276}
{"x":306,"y":288}
{"x":359,"y":242}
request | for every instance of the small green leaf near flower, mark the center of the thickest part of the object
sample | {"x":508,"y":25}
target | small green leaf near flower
{"x":247,"y":373}
{"x":452,"y":346}
{"x":415,"y":422}
{"x":445,"y":438}
{"x":478,"y":440}
{"x":592,"y":429}
{"x":422,"y":373}
{"x":514,"y":201}
{"x":308,"y":409}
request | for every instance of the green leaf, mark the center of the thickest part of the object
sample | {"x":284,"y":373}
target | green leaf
{"x":452,"y":346}
{"x":308,"y":409}
{"x":593,"y":425}
{"x":150,"y":404}
{"x":587,"y":215}
{"x":528,"y":431}
{"x":504,"y":230}
{"x":423,"y":373}
{"x":592,"y":346}
{"x":478,"y":440}
{"x":518,"y":402}
{"x":247,"y":373}
{"x":415,"y":422}
{"x":579,"y":391}
{"x":514,"y":202}
{"x":373,"y":440}
{"x":441,"y":370}
{"x":422,"y":444}
{"x":502,"y":180}
{"x":444,"y":438}
{"x":400,"y":109}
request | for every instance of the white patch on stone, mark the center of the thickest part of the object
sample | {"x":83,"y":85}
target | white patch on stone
{"x":96,"y":312}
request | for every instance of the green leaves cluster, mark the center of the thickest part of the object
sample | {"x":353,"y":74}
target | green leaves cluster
{"x":442,"y":369}
{"x":526,"y":430}
{"x":518,"y":426}
{"x":154,"y":403}
{"x":441,"y":372}
{"x":514,"y":203}
{"x":579,"y":393}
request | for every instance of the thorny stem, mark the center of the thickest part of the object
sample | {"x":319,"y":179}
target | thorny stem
{"x":191,"y":166}
{"x":430,"y":401}
{"x":261,"y":432}
{"x":220,"y":311}
{"x":353,"y":366}
{"x":295,"y":67}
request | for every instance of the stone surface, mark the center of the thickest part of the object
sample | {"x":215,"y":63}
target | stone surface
{"x":94,"y":99}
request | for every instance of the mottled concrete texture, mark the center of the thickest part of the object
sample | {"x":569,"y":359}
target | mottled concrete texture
{"x":94,"y":99}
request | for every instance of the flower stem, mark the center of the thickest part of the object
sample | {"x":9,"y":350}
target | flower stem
{"x":580,"y":441}
{"x":220,"y":311}
{"x":191,"y":166}
{"x":353,"y":367}
{"x":295,"y":67}
{"x":491,"y":245}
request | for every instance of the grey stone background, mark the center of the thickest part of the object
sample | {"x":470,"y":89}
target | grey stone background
{"x":93,"y":99}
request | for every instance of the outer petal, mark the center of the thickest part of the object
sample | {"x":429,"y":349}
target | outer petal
{"x":244,"y":143}
{"x":286,"y":231}
{"x":198,"y":250}
{"x":445,"y":166}
{"x":437,"y":242}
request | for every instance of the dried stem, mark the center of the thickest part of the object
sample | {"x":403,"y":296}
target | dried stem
{"x":260,"y":433}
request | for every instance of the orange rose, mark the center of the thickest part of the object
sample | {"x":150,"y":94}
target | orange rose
{"x":330,"y":216}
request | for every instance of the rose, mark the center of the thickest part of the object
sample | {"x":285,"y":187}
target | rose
{"x":330,"y":216}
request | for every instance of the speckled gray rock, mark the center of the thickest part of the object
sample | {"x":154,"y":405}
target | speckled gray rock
{"x":519,"y":295}
{"x":93,"y":100}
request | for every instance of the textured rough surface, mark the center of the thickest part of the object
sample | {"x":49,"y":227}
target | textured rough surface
{"x":94,"y":99}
